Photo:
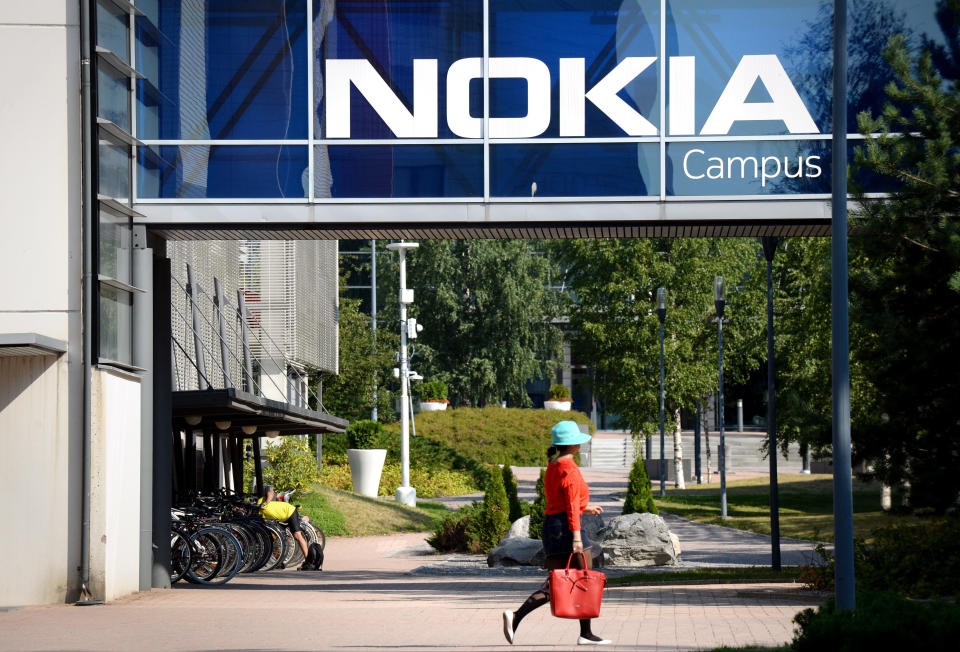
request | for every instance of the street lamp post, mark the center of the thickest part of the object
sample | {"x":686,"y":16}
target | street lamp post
{"x":406,"y":495}
{"x":769,"y":251}
{"x":661,"y":315}
{"x":719,"y":302}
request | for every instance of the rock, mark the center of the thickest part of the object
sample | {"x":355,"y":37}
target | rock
{"x":517,"y":551}
{"x":520,"y":528}
{"x":640,"y":540}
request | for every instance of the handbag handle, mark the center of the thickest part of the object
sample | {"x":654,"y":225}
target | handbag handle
{"x":570,"y":559}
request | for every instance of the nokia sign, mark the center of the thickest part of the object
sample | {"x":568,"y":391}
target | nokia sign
{"x":784,"y":105}
{"x":501,"y":111}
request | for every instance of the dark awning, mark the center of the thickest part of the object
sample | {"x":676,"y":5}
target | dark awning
{"x":244,"y":409}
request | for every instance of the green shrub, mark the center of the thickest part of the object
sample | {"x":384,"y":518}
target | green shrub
{"x":429,"y":482}
{"x":639,"y":497}
{"x":364,"y":433}
{"x":453,"y":532}
{"x":538,"y":507}
{"x":489,"y":435}
{"x":919,"y":561}
{"x":291,"y":465}
{"x":881,"y":621}
{"x":558,"y":392}
{"x":493,"y":520}
{"x":510,"y":486}
{"x":433,"y":391}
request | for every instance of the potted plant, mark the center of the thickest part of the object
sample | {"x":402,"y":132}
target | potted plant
{"x":559,"y":398}
{"x":433,"y":396}
{"x":366,"y":460}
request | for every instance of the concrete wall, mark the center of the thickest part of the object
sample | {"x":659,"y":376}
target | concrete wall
{"x":40,"y":264}
{"x":115,"y":484}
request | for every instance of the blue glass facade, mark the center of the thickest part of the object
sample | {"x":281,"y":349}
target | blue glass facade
{"x":318,"y":100}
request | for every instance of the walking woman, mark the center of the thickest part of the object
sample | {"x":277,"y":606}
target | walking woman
{"x":567,"y":498}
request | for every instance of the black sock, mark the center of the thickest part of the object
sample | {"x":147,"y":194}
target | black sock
{"x":536,"y":599}
{"x":585,"y":629}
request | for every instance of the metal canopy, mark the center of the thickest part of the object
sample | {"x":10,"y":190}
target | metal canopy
{"x":30,"y":344}
{"x":244,"y":409}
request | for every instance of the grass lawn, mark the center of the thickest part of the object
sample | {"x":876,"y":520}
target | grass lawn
{"x":719,"y":575}
{"x":342,"y":513}
{"x":806,"y":506}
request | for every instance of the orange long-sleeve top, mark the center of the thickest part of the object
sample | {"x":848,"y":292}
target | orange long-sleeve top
{"x":566,"y":491}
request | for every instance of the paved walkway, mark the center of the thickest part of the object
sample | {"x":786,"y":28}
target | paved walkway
{"x":393,"y":593}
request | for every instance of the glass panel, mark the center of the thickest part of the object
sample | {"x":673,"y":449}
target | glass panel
{"x":113,"y":98}
{"x":390,"y":35}
{"x":787,"y":167}
{"x":575,"y":170}
{"x":596,"y":35}
{"x":113,"y":30}
{"x":232,"y":69}
{"x":114,"y":171}
{"x":401,"y":171}
{"x":115,"y":246}
{"x":222,"y":171}
{"x":115,"y":324}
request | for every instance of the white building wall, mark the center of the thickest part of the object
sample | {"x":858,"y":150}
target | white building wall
{"x":40,"y":264}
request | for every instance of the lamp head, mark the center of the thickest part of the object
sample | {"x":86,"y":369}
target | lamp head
{"x":661,"y":304}
{"x":719,"y":295}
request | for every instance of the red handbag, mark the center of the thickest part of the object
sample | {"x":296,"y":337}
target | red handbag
{"x":576,"y":593}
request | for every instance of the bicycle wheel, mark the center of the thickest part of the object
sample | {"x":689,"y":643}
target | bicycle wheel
{"x":294,"y":554}
{"x":215,"y":556}
{"x":264,"y":545}
{"x":278,"y":547}
{"x":314,"y":534}
{"x":179,"y":554}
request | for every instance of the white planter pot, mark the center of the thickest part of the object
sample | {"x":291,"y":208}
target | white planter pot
{"x":366,"y":465}
{"x":432,"y":406}
{"x":557,"y":405}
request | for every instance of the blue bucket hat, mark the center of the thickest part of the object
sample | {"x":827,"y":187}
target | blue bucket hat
{"x":567,"y":433}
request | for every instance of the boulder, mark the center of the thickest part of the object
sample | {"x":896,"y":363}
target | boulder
{"x":517,"y":551}
{"x":640,"y":540}
{"x":520,"y":528}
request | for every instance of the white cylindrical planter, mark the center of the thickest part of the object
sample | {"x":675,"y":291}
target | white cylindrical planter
{"x":557,"y":405}
{"x":432,"y":406}
{"x":366,"y":465}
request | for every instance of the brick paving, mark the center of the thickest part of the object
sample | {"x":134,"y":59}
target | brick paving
{"x":367,"y":599}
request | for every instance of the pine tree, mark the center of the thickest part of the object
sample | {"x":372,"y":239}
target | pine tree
{"x":539,"y":505}
{"x":510,"y":485}
{"x":639,"y":496}
{"x":494,"y":518}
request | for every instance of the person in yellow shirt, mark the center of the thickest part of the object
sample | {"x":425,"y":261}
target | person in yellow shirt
{"x":286,"y":513}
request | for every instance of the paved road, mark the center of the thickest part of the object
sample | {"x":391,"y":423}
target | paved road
{"x":367,"y":599}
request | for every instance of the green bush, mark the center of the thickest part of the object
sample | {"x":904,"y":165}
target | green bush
{"x":291,"y":465}
{"x":429,"y":482}
{"x":364,"y":433}
{"x":919,"y":561}
{"x":558,"y":392}
{"x":433,"y":391}
{"x":538,"y":507}
{"x":490,"y":435}
{"x":639,"y":497}
{"x":453,"y":532}
{"x":881,"y":621}
{"x":510,"y":486}
{"x":493,"y":521}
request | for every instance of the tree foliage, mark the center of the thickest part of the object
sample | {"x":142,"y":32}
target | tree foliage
{"x":905,"y":273}
{"x":617,"y":329}
{"x":350,"y":393}
{"x":537,"y":511}
{"x":486,"y":308}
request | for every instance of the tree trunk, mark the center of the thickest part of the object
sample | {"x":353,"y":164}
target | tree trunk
{"x":678,"y":451}
{"x":886,"y":498}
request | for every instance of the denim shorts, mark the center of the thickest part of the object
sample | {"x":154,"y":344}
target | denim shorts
{"x":557,"y":538}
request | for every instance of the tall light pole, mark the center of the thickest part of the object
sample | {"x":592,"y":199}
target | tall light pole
{"x":719,"y":302}
{"x":406,"y":495}
{"x":769,"y":251}
{"x":373,"y":318}
{"x":661,"y":315}
{"x":839,"y":298}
